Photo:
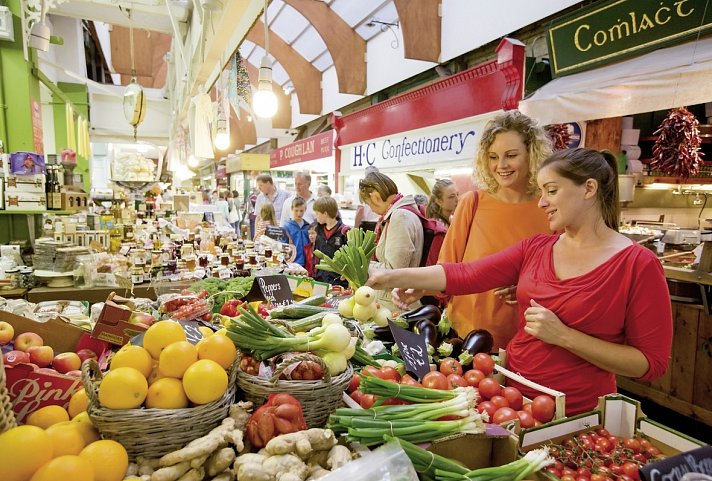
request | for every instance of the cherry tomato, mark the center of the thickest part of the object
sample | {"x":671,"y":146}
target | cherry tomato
{"x":644,"y":444}
{"x":624,"y":477}
{"x":357,"y":396}
{"x":456,"y":380}
{"x":632,"y":444}
{"x":527,"y":407}
{"x":567,"y":477}
{"x":526,"y":420}
{"x":473,"y":377}
{"x":582,"y":478}
{"x":630,"y":469}
{"x":483,"y":362}
{"x":603,"y":445}
{"x":355,"y":381}
{"x":552,"y":470}
{"x":487,"y":407}
{"x":450,"y":366}
{"x":598,"y":477}
{"x":603,"y":432}
{"x":502,"y":415}
{"x":367,"y":401}
{"x":583,"y":472}
{"x":435,"y":380}
{"x":616,"y":469}
{"x":390,"y":374}
{"x":640,"y":457}
{"x":514,"y":397}
{"x":543,"y":408}
{"x":371,"y":371}
{"x":653,"y":452}
{"x":500,"y":402}
{"x":614,"y":440}
{"x":489,"y":387}
{"x":568,"y":472}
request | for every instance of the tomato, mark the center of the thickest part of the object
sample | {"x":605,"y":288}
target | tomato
{"x":390,"y":374}
{"x":603,"y":445}
{"x":644,"y":444}
{"x":568,"y":472}
{"x":487,"y":407}
{"x":614,"y":440}
{"x":624,"y":477}
{"x":371,"y":371}
{"x":502,"y":415}
{"x":473,"y":377}
{"x":367,"y":401}
{"x":355,"y":381}
{"x":526,"y":420}
{"x":630,"y":469}
{"x":500,"y":402}
{"x":527,"y":407}
{"x":583,"y":472}
{"x":357,"y":396}
{"x":514,"y":397}
{"x":489,"y":387}
{"x":598,"y":477}
{"x":450,"y":366}
{"x":408,"y":379}
{"x":435,"y":380}
{"x":456,"y":380}
{"x":653,"y":452}
{"x":567,"y":477}
{"x":582,"y":478}
{"x":616,"y":469}
{"x":552,"y":470}
{"x":543,"y":408}
{"x":483,"y":362}
{"x":632,"y":444}
{"x":640,"y":457}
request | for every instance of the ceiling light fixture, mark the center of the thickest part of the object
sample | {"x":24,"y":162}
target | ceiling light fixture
{"x":39,"y":33}
{"x":264,"y":102}
{"x":193,"y":161}
{"x":134,"y":97}
{"x":384,"y":26}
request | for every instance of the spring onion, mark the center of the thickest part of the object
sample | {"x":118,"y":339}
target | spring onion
{"x":425,"y":462}
{"x":263,"y":339}
{"x":417,"y":394}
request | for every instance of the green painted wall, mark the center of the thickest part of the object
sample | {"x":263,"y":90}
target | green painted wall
{"x":78,"y":94}
{"x":19,"y":87}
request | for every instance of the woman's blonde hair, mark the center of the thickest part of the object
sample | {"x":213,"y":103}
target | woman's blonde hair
{"x":267,"y":213}
{"x":533,"y":136}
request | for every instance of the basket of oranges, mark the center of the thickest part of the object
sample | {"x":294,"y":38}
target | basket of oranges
{"x":7,"y":416}
{"x":158,"y":397}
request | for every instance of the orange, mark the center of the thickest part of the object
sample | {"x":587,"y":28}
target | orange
{"x":86,"y":428}
{"x":22,"y":451}
{"x":175,"y":359}
{"x":65,"y":467}
{"x":109,"y":459}
{"x":166,"y":393}
{"x":161,"y":334}
{"x":155,"y":375}
{"x":123,"y":388}
{"x":77,"y":403}
{"x":205,"y":381}
{"x":206,"y":331}
{"x":47,"y":416}
{"x":66,"y":438}
{"x":220,"y":349}
{"x":135,"y":357}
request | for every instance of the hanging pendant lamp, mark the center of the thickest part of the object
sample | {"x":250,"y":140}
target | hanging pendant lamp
{"x":134,"y":96}
{"x":264,"y":102}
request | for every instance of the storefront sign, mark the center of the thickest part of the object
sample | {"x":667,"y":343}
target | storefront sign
{"x":315,"y":147}
{"x":620,"y":29}
{"x":240,"y":162}
{"x":420,"y":148}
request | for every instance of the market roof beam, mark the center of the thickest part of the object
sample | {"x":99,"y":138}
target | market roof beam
{"x":421,"y":23}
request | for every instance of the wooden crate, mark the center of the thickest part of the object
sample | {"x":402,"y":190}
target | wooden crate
{"x":687,"y":385}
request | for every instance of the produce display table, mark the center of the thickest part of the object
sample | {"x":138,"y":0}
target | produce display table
{"x":13,"y":293}
{"x":91,"y":294}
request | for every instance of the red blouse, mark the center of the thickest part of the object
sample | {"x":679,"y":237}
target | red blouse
{"x":624,"y":300}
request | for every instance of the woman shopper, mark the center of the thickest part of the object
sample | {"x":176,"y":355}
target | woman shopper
{"x":443,"y":201}
{"x":592,"y":304}
{"x":501,"y":213}
{"x":399,"y":232}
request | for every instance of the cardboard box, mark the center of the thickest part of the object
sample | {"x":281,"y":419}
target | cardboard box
{"x":26,"y":201}
{"x":25,"y":183}
{"x":621,"y":416}
{"x":113,"y":325}
{"x":496,"y":447}
{"x":74,"y":201}
{"x":30,"y":390}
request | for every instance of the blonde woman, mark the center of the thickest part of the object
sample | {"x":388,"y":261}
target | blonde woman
{"x":501,"y":213}
{"x":443,"y":201}
{"x":267,"y":216}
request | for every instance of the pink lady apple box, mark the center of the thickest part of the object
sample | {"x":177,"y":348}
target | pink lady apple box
{"x":29,"y":389}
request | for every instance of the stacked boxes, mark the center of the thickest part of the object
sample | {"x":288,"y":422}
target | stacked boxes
{"x":25,"y":192}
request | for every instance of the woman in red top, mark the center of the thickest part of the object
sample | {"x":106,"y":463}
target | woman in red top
{"x":592,"y":303}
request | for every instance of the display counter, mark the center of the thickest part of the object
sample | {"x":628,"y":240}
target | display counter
{"x":686,"y":387}
{"x":93,"y":294}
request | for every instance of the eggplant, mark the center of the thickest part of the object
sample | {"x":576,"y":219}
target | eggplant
{"x":456,"y":344}
{"x":428,"y":330}
{"x":478,"y":340}
{"x":384,"y":334}
{"x":425,"y":312}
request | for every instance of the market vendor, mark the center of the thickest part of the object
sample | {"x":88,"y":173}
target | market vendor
{"x":592,"y":303}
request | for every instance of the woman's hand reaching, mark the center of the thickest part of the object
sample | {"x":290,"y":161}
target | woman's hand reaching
{"x":403,"y":298}
{"x":378,"y":279}
{"x":507,"y":294}
{"x":544,"y":324}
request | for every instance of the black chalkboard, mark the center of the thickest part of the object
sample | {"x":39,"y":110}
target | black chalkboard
{"x":274,"y":232}
{"x":673,"y":468}
{"x":273,"y":289}
{"x":413,"y":350}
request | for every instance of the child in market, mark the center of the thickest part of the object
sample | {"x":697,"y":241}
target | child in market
{"x":266,"y":217}
{"x":309,"y":249}
{"x":297,"y":230}
{"x":330,"y":236}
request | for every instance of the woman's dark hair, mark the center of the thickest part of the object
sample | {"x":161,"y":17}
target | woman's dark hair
{"x":579,"y":165}
{"x":376,"y":181}
{"x":434,"y":211}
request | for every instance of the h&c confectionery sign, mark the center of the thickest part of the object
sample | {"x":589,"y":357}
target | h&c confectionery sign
{"x":606,"y":32}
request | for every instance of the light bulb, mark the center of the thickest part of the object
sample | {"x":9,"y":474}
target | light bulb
{"x":193,"y":161}
{"x":222,"y":140}
{"x":264,"y":102}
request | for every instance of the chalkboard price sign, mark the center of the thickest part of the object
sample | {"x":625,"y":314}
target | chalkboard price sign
{"x":274,"y":232}
{"x":675,"y":467}
{"x":413,"y":350}
{"x":275,"y":289}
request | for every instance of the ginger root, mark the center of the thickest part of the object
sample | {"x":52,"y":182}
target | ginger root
{"x":302,"y":443}
{"x":219,"y":461}
{"x":316,"y":472}
{"x":193,"y":475}
{"x":252,"y":472}
{"x":171,"y":473}
{"x":240,"y":412}
{"x":224,"y":476}
{"x":146,"y":465}
{"x":218,"y":437}
{"x":282,"y":464}
{"x":195,"y":463}
{"x":338,"y":456}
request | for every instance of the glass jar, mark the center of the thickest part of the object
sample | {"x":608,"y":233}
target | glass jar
{"x":186,"y":250}
{"x":224,"y":260}
{"x":190,"y":263}
{"x":137,"y":275}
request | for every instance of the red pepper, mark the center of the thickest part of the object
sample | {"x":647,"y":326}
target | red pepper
{"x":281,"y":414}
{"x":230,"y":307}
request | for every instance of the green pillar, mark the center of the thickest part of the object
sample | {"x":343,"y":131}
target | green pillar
{"x":78,"y":94}
{"x":18,"y":89}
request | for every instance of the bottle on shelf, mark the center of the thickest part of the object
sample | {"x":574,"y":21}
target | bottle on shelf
{"x":48,"y":187}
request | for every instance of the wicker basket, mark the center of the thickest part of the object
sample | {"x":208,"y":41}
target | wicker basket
{"x":7,"y":416}
{"x":318,"y":398}
{"x":154,"y":432}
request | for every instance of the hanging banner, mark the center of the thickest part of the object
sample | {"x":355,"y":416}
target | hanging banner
{"x":318,"y":146}
{"x":37,"y":138}
{"x":456,"y":141}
